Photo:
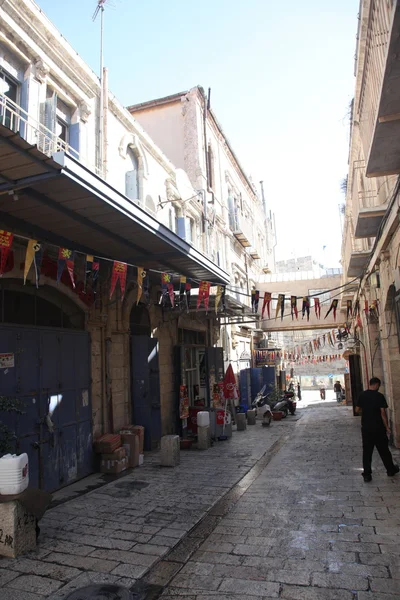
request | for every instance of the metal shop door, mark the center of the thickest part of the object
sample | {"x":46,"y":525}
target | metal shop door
{"x":49,"y":371}
{"x":145,"y":376}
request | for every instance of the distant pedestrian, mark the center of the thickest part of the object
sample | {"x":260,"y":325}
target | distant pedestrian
{"x":337,"y":388}
{"x":298,"y":391}
{"x":322,"y":393}
{"x":375,"y":429}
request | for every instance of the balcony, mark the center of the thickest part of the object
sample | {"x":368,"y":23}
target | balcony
{"x":357,"y":263}
{"x":383,"y":128}
{"x":369,"y":221}
{"x":239,"y":228}
{"x":254,"y":254}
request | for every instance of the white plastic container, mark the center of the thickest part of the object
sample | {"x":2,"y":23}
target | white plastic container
{"x":14,"y":474}
{"x":203,"y":419}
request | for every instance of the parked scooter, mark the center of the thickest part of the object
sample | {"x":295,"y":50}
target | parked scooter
{"x":261,"y":406}
{"x":286,"y":404}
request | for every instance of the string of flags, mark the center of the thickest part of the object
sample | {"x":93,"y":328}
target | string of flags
{"x":294,"y":312}
{"x":322,"y":342}
{"x":264,"y":357}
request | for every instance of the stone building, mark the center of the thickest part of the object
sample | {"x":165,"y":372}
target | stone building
{"x":236,"y":228}
{"x":92,"y":181}
{"x":371,"y":238}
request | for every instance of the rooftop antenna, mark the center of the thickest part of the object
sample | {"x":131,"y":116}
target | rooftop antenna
{"x":100,"y":9}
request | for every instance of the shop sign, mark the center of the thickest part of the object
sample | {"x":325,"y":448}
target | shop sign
{"x":266,"y":358}
{"x":7,"y":360}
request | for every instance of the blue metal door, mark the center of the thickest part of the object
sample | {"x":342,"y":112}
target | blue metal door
{"x":51,"y":375}
{"x":145,"y":388}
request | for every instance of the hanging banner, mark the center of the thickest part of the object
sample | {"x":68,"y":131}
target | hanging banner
{"x":349,"y":306}
{"x":91,"y":272}
{"x":6,"y":240}
{"x":34,"y":254}
{"x":293,"y":307}
{"x":183,"y":402}
{"x":65,"y":258}
{"x":280,"y":306}
{"x":333,"y":307}
{"x":167,"y":297}
{"x":182,"y":296}
{"x":317,"y":306}
{"x":220,"y":297}
{"x":119,"y":273}
{"x":141,"y":274}
{"x":305,"y":310}
{"x":204,"y":294}
{"x":266,"y":304}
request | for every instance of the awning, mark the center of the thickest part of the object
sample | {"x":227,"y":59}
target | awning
{"x":60,"y":201}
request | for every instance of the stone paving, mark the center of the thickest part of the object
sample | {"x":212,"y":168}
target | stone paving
{"x":308,"y":528}
{"x":117,"y":532}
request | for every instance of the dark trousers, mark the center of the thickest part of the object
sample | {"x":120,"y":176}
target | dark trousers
{"x":370,"y":439}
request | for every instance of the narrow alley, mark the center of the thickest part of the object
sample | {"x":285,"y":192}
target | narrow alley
{"x":274,"y":513}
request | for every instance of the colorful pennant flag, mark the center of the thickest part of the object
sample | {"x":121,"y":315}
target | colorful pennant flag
{"x":141,"y":274}
{"x":333,"y":307}
{"x":280,"y":306}
{"x":6,"y":240}
{"x":34,"y":254}
{"x":220,"y":298}
{"x":266,"y":304}
{"x":204,"y":294}
{"x":357,"y":308}
{"x":91,"y":273}
{"x":167,"y":288}
{"x":293,"y":307}
{"x":119,"y":272}
{"x":306,"y":307}
{"x":317,"y":306}
{"x":349,"y":306}
{"x":66,"y":258}
{"x":183,"y":299}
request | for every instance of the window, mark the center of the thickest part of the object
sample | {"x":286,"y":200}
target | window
{"x":8,"y":101}
{"x":190,"y":230}
{"x":173,"y":219}
{"x":56,"y":118}
{"x":132,"y":176}
{"x":210,"y":167}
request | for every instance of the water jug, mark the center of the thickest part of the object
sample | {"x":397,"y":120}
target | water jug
{"x":14,"y":474}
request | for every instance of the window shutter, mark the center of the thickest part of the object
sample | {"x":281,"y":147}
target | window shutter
{"x":131,"y":185}
{"x":74,"y":138}
{"x":50,"y":112}
{"x":182,"y":227}
{"x":188,"y":227}
{"x":24,"y":105}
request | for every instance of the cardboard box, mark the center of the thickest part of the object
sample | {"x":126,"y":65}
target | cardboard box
{"x":113,"y":466}
{"x":132,"y":440}
{"x":117,"y":455}
{"x":139,"y":430}
{"x":108,"y":443}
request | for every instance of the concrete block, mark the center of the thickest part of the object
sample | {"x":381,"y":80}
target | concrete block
{"x":241,"y":421}
{"x":203,"y":438}
{"x":18,"y":529}
{"x":170,"y":451}
{"x":251,"y":417}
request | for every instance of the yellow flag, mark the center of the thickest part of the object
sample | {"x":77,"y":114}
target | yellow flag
{"x":141,"y":274}
{"x":29,"y":256}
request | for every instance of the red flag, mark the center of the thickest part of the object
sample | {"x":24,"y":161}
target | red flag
{"x":204,"y":294}
{"x":119,"y":272}
{"x":317,"y":306}
{"x":66,"y":258}
{"x":293,"y":306}
{"x":6,"y":240}
{"x":266,"y":304}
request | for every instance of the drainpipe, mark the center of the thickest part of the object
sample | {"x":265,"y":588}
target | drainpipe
{"x":206,"y":108}
{"x":108,"y":353}
{"x":105,"y":120}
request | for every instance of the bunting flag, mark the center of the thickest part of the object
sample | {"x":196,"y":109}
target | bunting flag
{"x":280,"y":306}
{"x":141,"y":274}
{"x":34,"y":254}
{"x":119,"y":273}
{"x":317,"y":306}
{"x":204,"y":294}
{"x":349,"y":305}
{"x":357,"y":308}
{"x":91,"y":273}
{"x":167,"y":288}
{"x":6,"y":240}
{"x":306,"y":307}
{"x":267,"y":304}
{"x":183,"y":300}
{"x":220,"y":297}
{"x":66,"y":258}
{"x":358,"y":322}
{"x":293,"y":307}
{"x":366,"y":308}
{"x":146,"y":288}
{"x":333,"y":307}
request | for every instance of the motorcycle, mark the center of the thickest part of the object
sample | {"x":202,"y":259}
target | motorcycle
{"x":260,"y":403}
{"x":286,"y":404}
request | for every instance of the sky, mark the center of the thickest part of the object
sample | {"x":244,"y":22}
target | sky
{"x":281,"y":76}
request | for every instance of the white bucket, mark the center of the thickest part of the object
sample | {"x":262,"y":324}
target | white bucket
{"x":14,"y":474}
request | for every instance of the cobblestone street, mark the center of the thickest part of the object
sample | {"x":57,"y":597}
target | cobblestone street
{"x":273,"y":513}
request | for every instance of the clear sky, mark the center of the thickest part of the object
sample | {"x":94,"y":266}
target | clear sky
{"x":281,"y":75}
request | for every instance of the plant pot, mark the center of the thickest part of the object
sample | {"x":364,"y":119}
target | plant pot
{"x":186,"y":444}
{"x":277,"y":415}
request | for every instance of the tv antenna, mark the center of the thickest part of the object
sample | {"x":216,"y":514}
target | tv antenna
{"x":100,"y":9}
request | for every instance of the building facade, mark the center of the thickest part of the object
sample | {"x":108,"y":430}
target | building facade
{"x":79,"y":177}
{"x":235,"y":228}
{"x":371,"y":238}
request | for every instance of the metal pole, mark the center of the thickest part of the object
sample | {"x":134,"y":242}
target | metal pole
{"x":101,"y":113}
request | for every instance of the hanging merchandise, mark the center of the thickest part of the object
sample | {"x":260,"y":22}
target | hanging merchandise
{"x":34,"y":254}
{"x":266,"y":304}
{"x":317,"y":306}
{"x":349,"y":306}
{"x":280,"y":306}
{"x":141,"y":274}
{"x":220,"y":298}
{"x":183,"y":402}
{"x":66,"y":258}
{"x":357,"y":308}
{"x":306,"y":307}
{"x":204,"y":294}
{"x":6,"y":240}
{"x":293,"y":307}
{"x":91,"y":272}
{"x":333,"y":307}
{"x":167,"y":298}
{"x":119,"y":273}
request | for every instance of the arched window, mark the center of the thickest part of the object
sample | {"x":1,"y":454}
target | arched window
{"x":132,"y":176}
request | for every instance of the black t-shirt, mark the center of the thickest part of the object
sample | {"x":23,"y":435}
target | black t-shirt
{"x":371,"y":403}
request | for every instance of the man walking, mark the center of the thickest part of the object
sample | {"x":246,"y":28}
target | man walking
{"x":375,"y":429}
{"x":337,"y":388}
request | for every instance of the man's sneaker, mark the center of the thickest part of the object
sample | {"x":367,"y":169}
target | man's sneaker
{"x":394,"y":472}
{"x":367,"y":478}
